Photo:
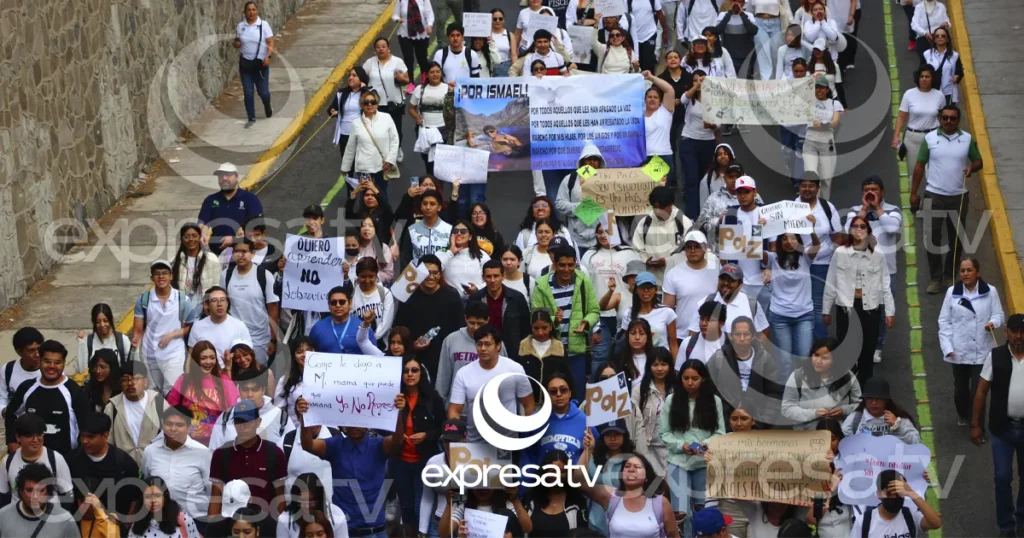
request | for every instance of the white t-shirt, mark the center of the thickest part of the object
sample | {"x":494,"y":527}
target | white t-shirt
{"x":659,"y":131}
{"x":791,"y":288}
{"x":522,"y":23}
{"x":745,"y":366}
{"x":752,"y":273}
{"x":702,"y":351}
{"x":249,"y":34}
{"x":922,"y":108}
{"x":644,"y":24}
{"x":640,"y":361}
{"x":9,"y":472}
{"x":433,"y":96}
{"x":18,"y":376}
{"x":520,"y":286}
{"x":740,"y":306}
{"x":472,"y":377}
{"x":133,"y":415}
{"x":222,"y":334}
{"x":349,"y":112}
{"x":382,"y":78}
{"x":693,"y":122}
{"x":690,"y":287}
{"x":659,"y":318}
{"x":456,"y":66}
{"x":502,"y":44}
{"x":249,"y":303}
{"x":301,"y":462}
{"x":823,"y":111}
{"x":824,"y":230}
{"x":893,"y":528}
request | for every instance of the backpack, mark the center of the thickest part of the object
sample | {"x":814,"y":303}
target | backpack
{"x":692,"y":343}
{"x":680,"y":230}
{"x":659,"y":511}
{"x":289,"y":440}
{"x":118,"y":339}
{"x":654,"y":12}
{"x":261,"y":278}
{"x":907,"y":518}
{"x":8,"y":372}
{"x":827,"y":208}
{"x":182,"y":308}
{"x":50,"y":456}
{"x":469,"y":61}
{"x":752,"y":300}
{"x":692,"y":2}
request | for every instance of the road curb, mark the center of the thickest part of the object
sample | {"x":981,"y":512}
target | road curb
{"x":1002,"y":233}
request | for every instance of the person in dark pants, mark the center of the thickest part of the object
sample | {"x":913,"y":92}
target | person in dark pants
{"x":849,"y":54}
{"x":738,"y":29}
{"x":255,"y":40}
{"x":948,"y":157}
{"x":908,"y":10}
{"x":1005,"y":421}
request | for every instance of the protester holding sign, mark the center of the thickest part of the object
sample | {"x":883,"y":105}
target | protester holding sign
{"x":878,"y":414}
{"x":835,"y":518}
{"x":819,"y":144}
{"x":739,"y":511}
{"x":570,"y":195}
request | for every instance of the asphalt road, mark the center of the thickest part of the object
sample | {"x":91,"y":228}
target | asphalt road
{"x":964,"y":470}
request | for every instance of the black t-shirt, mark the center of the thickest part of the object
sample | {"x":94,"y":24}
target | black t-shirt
{"x":59,"y":406}
{"x":111,"y":479}
{"x":573,"y":517}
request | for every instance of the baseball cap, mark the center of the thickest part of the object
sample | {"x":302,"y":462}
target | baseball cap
{"x":239,"y":342}
{"x":160,"y":264}
{"x":696,"y":237}
{"x":558,"y":242}
{"x":235,"y":496}
{"x":732,"y":271}
{"x":1015,"y":322}
{"x":646,"y":278}
{"x":734,"y":168}
{"x":710,"y":521}
{"x":454,"y":430}
{"x":698,"y":37}
{"x":634,"y":268}
{"x":876,"y":387}
{"x":245,"y":411}
{"x":746,"y":182}
{"x":226,"y":168}
{"x":618,"y":425}
{"x":313,"y":211}
{"x":820,"y":44}
{"x":820,"y":81}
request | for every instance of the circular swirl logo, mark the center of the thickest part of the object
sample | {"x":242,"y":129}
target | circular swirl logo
{"x":488,"y":397}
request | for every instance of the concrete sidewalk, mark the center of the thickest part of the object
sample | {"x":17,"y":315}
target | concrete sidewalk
{"x":314,"y":49}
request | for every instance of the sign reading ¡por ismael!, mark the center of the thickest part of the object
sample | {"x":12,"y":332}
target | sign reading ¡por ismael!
{"x":351,"y":390}
{"x":787,"y":467}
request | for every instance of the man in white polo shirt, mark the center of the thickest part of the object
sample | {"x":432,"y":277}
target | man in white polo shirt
{"x":162,"y":318}
{"x":947,"y":158}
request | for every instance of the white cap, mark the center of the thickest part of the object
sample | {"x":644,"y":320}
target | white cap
{"x":236,"y":495}
{"x":241,"y":341}
{"x":161,"y":263}
{"x":227,"y":168}
{"x":696,"y":237}
{"x":820,"y":44}
{"x":745,"y":182}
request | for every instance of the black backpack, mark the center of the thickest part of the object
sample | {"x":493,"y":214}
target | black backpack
{"x":289,"y":440}
{"x":8,"y":372}
{"x":680,"y":230}
{"x":692,"y":2}
{"x":261,"y":277}
{"x":654,"y":12}
{"x":469,"y":61}
{"x":50,"y":456}
{"x":121,"y":356}
{"x":907,"y":517}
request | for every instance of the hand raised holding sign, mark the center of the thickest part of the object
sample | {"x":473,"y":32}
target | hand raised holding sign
{"x":607,"y":401}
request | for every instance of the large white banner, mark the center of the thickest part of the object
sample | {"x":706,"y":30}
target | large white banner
{"x":758,"y":102}
{"x":351,"y":390}
{"x":457,"y":162}
{"x":865,"y":456}
{"x":313,"y":266}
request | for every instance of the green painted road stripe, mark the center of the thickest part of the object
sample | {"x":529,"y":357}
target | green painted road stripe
{"x":918,"y":364}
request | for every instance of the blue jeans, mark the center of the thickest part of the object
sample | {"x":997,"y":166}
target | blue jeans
{"x":881,"y":327}
{"x":793,"y":154}
{"x":578,"y":369}
{"x":793,"y":338}
{"x":501,"y":69}
{"x":602,"y":350}
{"x":432,"y":529}
{"x":766,"y":45}
{"x":686,"y":491}
{"x":1003,"y":447}
{"x":409,"y":484}
{"x":260,"y":80}
{"x":469,"y":195}
{"x":818,"y":275}
{"x":696,"y":156}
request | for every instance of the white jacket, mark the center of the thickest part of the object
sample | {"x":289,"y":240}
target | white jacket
{"x":841,"y":282}
{"x":402,"y":12}
{"x":361,"y":155}
{"x":928,"y":17}
{"x":612,"y":59}
{"x":962,"y":323}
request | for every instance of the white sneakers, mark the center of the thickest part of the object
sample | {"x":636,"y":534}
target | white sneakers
{"x":878,"y":356}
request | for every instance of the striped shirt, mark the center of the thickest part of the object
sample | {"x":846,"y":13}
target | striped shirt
{"x":563,"y":300}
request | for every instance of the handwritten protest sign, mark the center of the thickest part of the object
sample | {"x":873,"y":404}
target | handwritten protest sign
{"x":865,"y":456}
{"x":456,"y":162}
{"x":786,"y":216}
{"x":588,"y":211}
{"x":313,"y":267}
{"x":623,"y":190}
{"x":479,"y":456}
{"x":586,"y":171}
{"x":477,"y":24}
{"x":581,"y":37}
{"x":758,"y":102}
{"x":482,"y":524}
{"x":610,"y":8}
{"x":351,"y":390}
{"x":734,"y":243}
{"x":656,"y":169}
{"x":408,"y":281}
{"x":542,"y":22}
{"x":786,"y":467}
{"x":607,"y":401}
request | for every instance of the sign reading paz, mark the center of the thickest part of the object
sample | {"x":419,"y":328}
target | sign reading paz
{"x":607,"y":401}
{"x":313,"y":267}
{"x":351,"y":390}
{"x":623,"y":190}
{"x":735,"y":244}
{"x":786,"y":467}
{"x":408,"y":281}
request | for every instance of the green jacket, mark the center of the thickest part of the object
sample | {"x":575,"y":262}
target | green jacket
{"x":584,"y":308}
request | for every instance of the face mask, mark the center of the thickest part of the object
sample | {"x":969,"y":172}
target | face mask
{"x":350,"y":252}
{"x":661,"y":214}
{"x":892,"y":504}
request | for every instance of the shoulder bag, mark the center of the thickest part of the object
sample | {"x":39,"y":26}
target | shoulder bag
{"x":391,"y":173}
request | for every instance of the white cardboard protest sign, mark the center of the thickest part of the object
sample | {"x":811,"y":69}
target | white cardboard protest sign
{"x":313,"y":267}
{"x":735,"y":244}
{"x":477,"y":24}
{"x":610,"y":8}
{"x":408,"y":281}
{"x":758,"y":102}
{"x":456,"y":162}
{"x":786,"y":216}
{"x":581,"y":37}
{"x":607,"y":401}
{"x":351,"y":390}
{"x":865,"y":456}
{"x":482,"y":524}
{"x":542,"y":22}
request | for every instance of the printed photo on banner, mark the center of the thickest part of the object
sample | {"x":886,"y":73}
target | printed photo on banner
{"x":581,"y":37}
{"x":622,"y":190}
{"x":408,"y":281}
{"x":476,"y":456}
{"x":480,"y":524}
{"x":351,"y":390}
{"x":864,"y":457}
{"x":758,"y":102}
{"x":607,"y":401}
{"x":468,"y":165}
{"x":786,"y":216}
{"x":313,"y":267}
{"x":787,"y":467}
{"x":736,"y":243}
{"x":493,"y":114}
{"x":565,"y":112}
{"x":477,"y":24}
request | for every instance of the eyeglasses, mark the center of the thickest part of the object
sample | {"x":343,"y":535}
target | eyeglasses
{"x":541,"y":205}
{"x":460,"y":231}
{"x":858,"y":226}
{"x":51,"y":362}
{"x":369,"y":103}
{"x":338,"y":302}
{"x":497,"y":19}
{"x":478,"y":214}
{"x":413,"y":370}
{"x":125,"y":380}
{"x":949,"y":118}
{"x":219,"y":300}
{"x":616,"y":34}
{"x":555,"y":391}
{"x":433,"y":272}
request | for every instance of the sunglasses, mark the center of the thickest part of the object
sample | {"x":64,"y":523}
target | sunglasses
{"x":369,"y":103}
{"x":858,"y":227}
{"x":413,"y":370}
{"x":539,"y":69}
{"x":558,"y":390}
{"x":460,"y":231}
{"x":338,"y":302}
{"x":497,"y":19}
{"x":949,"y":118}
{"x":616,"y":34}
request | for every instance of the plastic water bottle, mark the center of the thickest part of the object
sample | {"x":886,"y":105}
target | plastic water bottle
{"x":431,"y":334}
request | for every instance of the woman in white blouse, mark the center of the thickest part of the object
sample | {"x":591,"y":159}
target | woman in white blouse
{"x":388,"y":74}
{"x":919,"y":113}
{"x":970,"y":314}
{"x":255,"y":40}
{"x":463,"y":262}
{"x":929,"y":15}
{"x":346,"y":106}
{"x":415,"y":20}
{"x":373,"y":144}
{"x":858,"y":285}
{"x":503,"y":42}
{"x":946,"y":62}
{"x":426,"y":106}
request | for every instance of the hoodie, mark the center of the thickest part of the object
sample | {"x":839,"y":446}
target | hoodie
{"x":457,"y":350}
{"x":568,"y":198}
{"x":563,"y":433}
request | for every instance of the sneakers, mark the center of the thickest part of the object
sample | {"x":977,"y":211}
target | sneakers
{"x":912,"y":45}
{"x":961,"y":422}
{"x":250,"y":123}
{"x":933,"y":287}
{"x":401,"y":156}
{"x":878,"y":356}
{"x":410,"y":88}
